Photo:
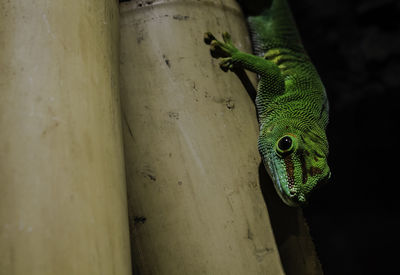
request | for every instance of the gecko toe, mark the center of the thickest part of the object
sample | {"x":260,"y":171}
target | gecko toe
{"x":226,"y":64}
{"x":227,"y":37}
{"x":208,"y":38}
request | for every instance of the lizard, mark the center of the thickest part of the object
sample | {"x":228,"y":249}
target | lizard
{"x":291,"y":102}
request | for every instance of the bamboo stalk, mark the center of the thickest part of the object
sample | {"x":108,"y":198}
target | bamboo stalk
{"x":190,"y":137}
{"x":62,"y":189}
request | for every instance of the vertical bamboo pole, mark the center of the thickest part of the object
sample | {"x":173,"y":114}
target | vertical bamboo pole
{"x":190,"y":135}
{"x":62,"y":193}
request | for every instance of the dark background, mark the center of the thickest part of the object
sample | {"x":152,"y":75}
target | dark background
{"x":355,"y":46}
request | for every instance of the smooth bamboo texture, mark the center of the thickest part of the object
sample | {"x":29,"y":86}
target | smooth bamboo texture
{"x":190,"y":137}
{"x":62,"y":184}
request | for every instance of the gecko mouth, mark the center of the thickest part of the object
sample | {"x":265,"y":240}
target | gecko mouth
{"x":280,"y":189}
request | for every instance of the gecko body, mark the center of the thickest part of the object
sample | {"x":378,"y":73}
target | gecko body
{"x":291,"y":102}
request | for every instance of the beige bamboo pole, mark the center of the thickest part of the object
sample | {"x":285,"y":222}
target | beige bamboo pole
{"x":62,"y":194}
{"x":190,"y":136}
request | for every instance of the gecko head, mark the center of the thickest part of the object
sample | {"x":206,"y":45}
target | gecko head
{"x":296,"y":160}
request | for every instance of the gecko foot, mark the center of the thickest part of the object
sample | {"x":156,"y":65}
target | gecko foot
{"x":221,"y":49}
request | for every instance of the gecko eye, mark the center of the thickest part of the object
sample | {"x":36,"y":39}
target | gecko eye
{"x":285,"y":145}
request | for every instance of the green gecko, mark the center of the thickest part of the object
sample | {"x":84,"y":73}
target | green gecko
{"x":291,"y":102}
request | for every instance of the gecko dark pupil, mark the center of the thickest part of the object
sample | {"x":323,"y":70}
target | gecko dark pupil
{"x":285,"y":143}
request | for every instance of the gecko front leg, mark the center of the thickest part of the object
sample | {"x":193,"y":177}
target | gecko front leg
{"x":232,"y":58}
{"x":271,"y":81}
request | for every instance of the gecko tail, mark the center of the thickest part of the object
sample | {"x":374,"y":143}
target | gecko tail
{"x":271,"y":25}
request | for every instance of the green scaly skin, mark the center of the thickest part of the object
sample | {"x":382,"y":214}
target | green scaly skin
{"x":291,"y":102}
